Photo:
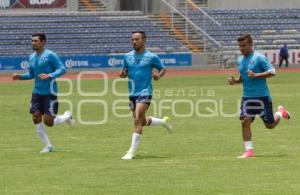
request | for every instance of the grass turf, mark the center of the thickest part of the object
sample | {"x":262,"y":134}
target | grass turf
{"x":198,"y":158}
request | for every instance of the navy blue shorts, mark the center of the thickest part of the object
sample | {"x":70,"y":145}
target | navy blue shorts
{"x":139,"y":99}
{"x":45,"y":104}
{"x":262,"y":106}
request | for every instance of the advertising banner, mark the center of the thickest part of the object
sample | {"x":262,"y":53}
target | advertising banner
{"x":103,"y":61}
{"x":37,"y":3}
{"x":273,"y":56}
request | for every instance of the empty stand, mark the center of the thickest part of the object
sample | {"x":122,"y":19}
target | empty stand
{"x":82,"y":33}
{"x":271,"y":28}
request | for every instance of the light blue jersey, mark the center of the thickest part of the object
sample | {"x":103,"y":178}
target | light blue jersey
{"x":48,"y":63}
{"x":139,"y":68}
{"x":258,"y":63}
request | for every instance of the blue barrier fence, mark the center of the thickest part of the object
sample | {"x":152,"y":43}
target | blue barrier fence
{"x":107,"y":61}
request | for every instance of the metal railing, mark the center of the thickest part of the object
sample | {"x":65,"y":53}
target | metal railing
{"x":211,"y":47}
{"x":191,"y":23}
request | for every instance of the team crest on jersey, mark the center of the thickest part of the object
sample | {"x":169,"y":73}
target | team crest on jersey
{"x":43,"y":60}
{"x":146,"y":60}
{"x":143,"y":60}
{"x":131,"y":60}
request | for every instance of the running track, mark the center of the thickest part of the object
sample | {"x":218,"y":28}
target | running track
{"x":5,"y":78}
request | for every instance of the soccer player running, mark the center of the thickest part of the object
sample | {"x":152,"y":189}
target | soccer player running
{"x":254,"y":68}
{"x":138,"y":66}
{"x":44,"y":68}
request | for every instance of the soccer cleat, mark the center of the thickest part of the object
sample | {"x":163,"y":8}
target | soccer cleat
{"x":247,"y":154}
{"x":167,"y":124}
{"x":128,"y":156}
{"x":284,"y":112}
{"x":47,"y":149}
{"x":70,"y":121}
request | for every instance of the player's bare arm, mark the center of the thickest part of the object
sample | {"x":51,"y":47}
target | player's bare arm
{"x":156,"y":76}
{"x":260,"y":75}
{"x":44,"y":76}
{"x":232,"y":80}
{"x":15,"y":76}
{"x":123,"y":74}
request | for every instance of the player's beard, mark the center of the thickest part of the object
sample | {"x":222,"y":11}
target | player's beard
{"x":136,"y":47}
{"x":34,"y":48}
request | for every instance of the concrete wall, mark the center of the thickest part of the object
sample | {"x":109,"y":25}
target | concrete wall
{"x":146,"y":6}
{"x":72,"y":5}
{"x":111,"y":5}
{"x":199,"y":60}
{"x":253,"y":4}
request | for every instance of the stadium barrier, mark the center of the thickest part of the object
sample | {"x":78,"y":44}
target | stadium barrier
{"x":101,"y":61}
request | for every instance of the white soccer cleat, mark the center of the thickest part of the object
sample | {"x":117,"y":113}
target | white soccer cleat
{"x":47,"y":149}
{"x":70,"y":121}
{"x":167,"y":124}
{"x":128,"y":156}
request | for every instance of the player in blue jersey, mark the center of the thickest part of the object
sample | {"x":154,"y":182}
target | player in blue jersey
{"x":254,"y":68}
{"x":44,"y":68}
{"x":138,"y":66}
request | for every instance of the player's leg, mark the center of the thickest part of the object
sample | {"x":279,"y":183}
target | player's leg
{"x":270,"y":120}
{"x":37,"y":111}
{"x":247,"y":137}
{"x":280,"y":61}
{"x":51,"y":109}
{"x":140,"y":117}
{"x":153,"y":121}
{"x":140,"y":110}
{"x":135,"y":136}
{"x":287,"y":62}
{"x":247,"y":116}
{"x":165,"y":122}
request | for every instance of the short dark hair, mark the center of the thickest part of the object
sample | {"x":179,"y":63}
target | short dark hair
{"x":41,"y":36}
{"x":140,"y":32}
{"x":244,"y":36}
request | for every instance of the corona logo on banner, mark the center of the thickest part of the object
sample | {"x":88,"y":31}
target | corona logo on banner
{"x":38,"y":3}
{"x":115,"y":61}
{"x":24,"y":64}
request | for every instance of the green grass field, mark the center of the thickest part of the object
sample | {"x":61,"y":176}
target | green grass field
{"x":198,"y":158}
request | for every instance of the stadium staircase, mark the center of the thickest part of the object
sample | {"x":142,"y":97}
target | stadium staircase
{"x":186,"y":33}
{"x":176,"y":26}
{"x":178,"y":30}
{"x":91,"y":5}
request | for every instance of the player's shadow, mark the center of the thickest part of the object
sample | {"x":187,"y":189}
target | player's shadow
{"x":150,"y":156}
{"x":271,"y":156}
